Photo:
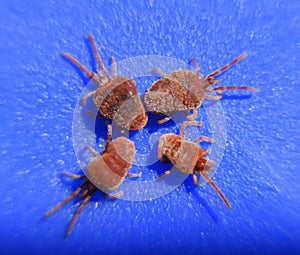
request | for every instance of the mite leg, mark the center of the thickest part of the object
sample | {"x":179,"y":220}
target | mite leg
{"x":98,"y":58}
{"x":195,"y":178}
{"x":114,"y":66}
{"x":215,"y":98}
{"x":212,"y":81}
{"x":164,"y":120}
{"x":159,"y":72}
{"x":85,"y":201}
{"x":222,"y":88}
{"x":74,"y":176}
{"x":204,"y":138}
{"x":206,"y":152}
{"x":188,"y":123}
{"x":216,"y":188}
{"x":109,"y":135}
{"x":193,"y":115}
{"x":92,"y":150}
{"x":164,"y":174}
{"x":81,"y":66}
{"x":98,"y":115}
{"x":194,"y":61}
{"x":132,"y":175}
{"x":62,"y":203}
{"x":84,"y":99}
{"x":115,"y":196}
{"x":209,"y":162}
{"x":101,"y":77}
{"x":227,"y":66}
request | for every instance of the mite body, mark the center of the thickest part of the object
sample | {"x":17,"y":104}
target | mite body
{"x":187,"y":157}
{"x":116,"y":97}
{"x":106,"y":171}
{"x":184,"y":90}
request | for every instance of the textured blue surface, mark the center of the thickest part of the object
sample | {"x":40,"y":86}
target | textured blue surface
{"x":259,"y":172}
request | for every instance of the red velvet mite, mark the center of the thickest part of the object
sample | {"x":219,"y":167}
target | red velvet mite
{"x":116,"y":97}
{"x":106,"y":171}
{"x":187,"y":157}
{"x":184,"y":90}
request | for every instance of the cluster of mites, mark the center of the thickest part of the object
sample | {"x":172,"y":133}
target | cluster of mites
{"x":117,"y":99}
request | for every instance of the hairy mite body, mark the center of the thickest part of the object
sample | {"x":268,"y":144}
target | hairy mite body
{"x":116,"y":97}
{"x":184,"y":90}
{"x":105,"y":171}
{"x":187,"y":157}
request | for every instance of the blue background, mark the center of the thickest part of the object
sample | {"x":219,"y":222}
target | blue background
{"x":259,"y":172}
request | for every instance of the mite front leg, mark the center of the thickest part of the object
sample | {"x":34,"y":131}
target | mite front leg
{"x":192,"y":116}
{"x":164,"y":120}
{"x":132,"y":175}
{"x":204,"y":138}
{"x":109,"y":135}
{"x":92,"y":150}
{"x":98,"y":58}
{"x":214,"y":98}
{"x":159,"y":72}
{"x":227,"y":66}
{"x":114,"y":66}
{"x":115,"y":196}
{"x":84,"y":99}
{"x":196,"y":66}
{"x":74,"y":176}
{"x":195,"y":178}
{"x":164,"y":174}
{"x":188,"y":123}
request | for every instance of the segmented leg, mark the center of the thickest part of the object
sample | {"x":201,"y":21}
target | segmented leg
{"x":81,"y":66}
{"x":115,"y":196}
{"x":195,"y":178}
{"x":209,"y":162}
{"x":109,"y":135}
{"x":98,"y":58}
{"x":95,"y":115}
{"x":164,"y":174}
{"x":92,"y":150}
{"x":204,"y":138}
{"x":62,"y":203}
{"x":74,"y":176}
{"x":220,"y":88}
{"x":206,"y":152}
{"x":188,"y":123}
{"x":158,"y":71}
{"x":84,"y":99}
{"x":216,"y":188}
{"x":214,"y":98}
{"x":114,"y":66}
{"x":194,"y":61}
{"x":227,"y":66}
{"x":164,"y":120}
{"x":132,"y":175}
{"x":212,"y":81}
{"x":85,"y":201}
{"x":192,"y":116}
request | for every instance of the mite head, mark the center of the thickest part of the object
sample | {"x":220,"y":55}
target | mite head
{"x":203,"y":164}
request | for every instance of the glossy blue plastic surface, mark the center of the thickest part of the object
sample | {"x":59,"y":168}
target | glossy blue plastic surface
{"x":259,"y":171}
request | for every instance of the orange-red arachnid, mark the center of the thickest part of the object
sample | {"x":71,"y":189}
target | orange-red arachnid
{"x":187,"y":157}
{"x":105,"y":171}
{"x":116,"y":96}
{"x":184,"y":90}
